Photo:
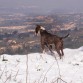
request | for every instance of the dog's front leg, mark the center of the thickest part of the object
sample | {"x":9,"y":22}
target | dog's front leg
{"x":44,"y":51}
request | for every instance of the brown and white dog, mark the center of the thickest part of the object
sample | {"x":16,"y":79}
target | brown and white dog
{"x":48,"y":38}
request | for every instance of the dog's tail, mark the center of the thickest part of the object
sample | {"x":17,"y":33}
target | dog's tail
{"x":65,"y":36}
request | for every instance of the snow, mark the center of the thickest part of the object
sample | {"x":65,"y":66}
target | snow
{"x":42,"y":68}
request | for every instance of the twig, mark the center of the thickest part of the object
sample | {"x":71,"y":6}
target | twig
{"x":62,"y":80}
{"x":7,"y":78}
{"x":16,"y":74}
{"x":4,"y":59}
{"x":40,"y":78}
{"x":2,"y":71}
{"x":27,"y":69}
{"x":48,"y":71}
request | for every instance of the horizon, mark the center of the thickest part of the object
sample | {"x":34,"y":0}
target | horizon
{"x":46,"y":6}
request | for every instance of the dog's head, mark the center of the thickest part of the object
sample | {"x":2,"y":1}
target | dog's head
{"x":38,"y":28}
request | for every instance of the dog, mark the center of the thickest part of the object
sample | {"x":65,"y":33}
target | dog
{"x":47,"y":39}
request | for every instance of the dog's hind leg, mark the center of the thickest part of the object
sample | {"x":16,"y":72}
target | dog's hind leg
{"x":58,"y":51}
{"x":58,"y":48}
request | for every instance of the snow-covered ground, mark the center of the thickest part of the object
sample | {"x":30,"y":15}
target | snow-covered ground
{"x":32,"y":68}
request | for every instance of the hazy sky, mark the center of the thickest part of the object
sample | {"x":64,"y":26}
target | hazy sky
{"x":44,"y":4}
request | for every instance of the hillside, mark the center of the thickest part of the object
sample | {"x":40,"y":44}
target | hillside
{"x":31,"y":68}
